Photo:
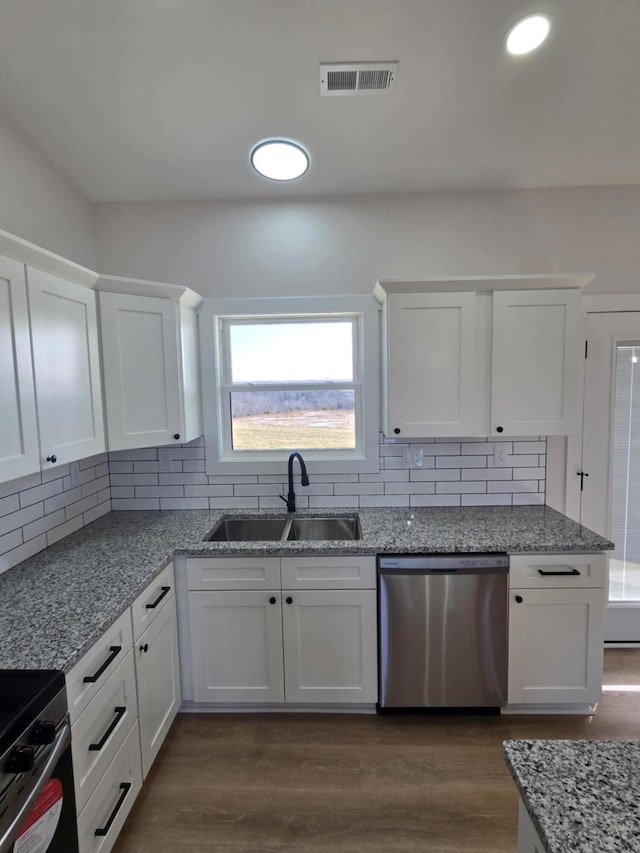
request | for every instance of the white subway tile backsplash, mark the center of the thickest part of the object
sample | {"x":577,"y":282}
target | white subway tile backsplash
{"x":42,"y":508}
{"x":39,"y":493}
{"x":135,"y":503}
{"x":24,"y":516}
{"x":461,"y":461}
{"x":434,"y":500}
{"x":9,"y":504}
{"x":486,"y":500}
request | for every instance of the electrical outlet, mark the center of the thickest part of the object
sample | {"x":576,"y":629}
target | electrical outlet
{"x":74,"y":471}
{"x":165,"y":460}
{"x":500,"y":453}
{"x":415,"y":457}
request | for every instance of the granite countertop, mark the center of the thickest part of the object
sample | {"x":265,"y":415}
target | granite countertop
{"x":583,"y":796}
{"x":56,"y":604}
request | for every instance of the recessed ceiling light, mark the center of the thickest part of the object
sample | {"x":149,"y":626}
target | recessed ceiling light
{"x":527,"y":34}
{"x":279,"y":159}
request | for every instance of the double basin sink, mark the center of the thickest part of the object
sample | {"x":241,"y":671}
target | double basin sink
{"x":285,"y":528}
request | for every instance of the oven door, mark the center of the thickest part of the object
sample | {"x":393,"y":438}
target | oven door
{"x":46,"y":820}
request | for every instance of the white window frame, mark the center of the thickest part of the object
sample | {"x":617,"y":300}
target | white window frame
{"x":213,"y":316}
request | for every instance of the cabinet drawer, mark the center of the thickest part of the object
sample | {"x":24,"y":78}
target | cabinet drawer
{"x":102,"y":727}
{"x":98,"y":664}
{"x":111,"y":802}
{"x":529,"y":571}
{"x":328,"y":572}
{"x":233,"y":573}
{"x":147,"y":605}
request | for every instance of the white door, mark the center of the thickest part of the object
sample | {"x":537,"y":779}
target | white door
{"x":330,"y":645}
{"x":536,"y":362}
{"x":236,"y":646}
{"x":610,"y":498}
{"x":555,"y":646}
{"x":19,"y":454}
{"x":158,"y":676}
{"x":66,"y":364}
{"x":141,"y":370}
{"x":432,"y":369}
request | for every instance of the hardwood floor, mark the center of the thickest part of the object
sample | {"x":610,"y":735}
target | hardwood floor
{"x":352,"y":784}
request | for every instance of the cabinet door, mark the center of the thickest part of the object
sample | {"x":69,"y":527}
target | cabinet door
{"x":67,"y":368}
{"x":236,"y":646}
{"x":143,"y":391}
{"x":536,"y":362}
{"x":158,"y":679}
{"x":19,"y":453}
{"x":330,"y":645}
{"x":432,"y":365}
{"x":555,"y":646}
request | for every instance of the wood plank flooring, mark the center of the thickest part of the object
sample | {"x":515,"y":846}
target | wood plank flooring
{"x":311,"y":783}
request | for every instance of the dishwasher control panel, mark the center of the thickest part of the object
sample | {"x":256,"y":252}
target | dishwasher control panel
{"x":453,"y":562}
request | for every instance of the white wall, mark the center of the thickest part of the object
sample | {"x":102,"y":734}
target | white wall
{"x":345,"y":245}
{"x":38,"y":204}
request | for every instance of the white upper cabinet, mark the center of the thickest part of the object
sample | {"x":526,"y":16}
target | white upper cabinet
{"x":535,"y":362}
{"x":431,"y":365}
{"x":487,"y":362}
{"x":150,"y":364}
{"x":19,"y":454}
{"x":66,"y":366}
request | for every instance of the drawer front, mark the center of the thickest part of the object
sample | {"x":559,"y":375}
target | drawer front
{"x":102,"y":727}
{"x":98,"y":664}
{"x":530,"y":571}
{"x":329,"y":572}
{"x":233,"y":573}
{"x":147,"y":605}
{"x":111,"y":802}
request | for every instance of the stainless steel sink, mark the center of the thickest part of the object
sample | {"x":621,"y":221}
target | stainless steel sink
{"x":325,"y":528}
{"x":283,"y":529}
{"x":249,"y":529}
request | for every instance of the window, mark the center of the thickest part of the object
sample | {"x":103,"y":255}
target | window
{"x":290,"y":380}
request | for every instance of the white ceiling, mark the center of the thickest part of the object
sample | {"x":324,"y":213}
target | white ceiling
{"x":162,"y":99}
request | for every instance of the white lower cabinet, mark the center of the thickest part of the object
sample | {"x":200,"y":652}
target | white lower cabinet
{"x":104,"y":814}
{"x":298,"y":645}
{"x":158,"y":677}
{"x":121,"y":708}
{"x":329,"y":645}
{"x":556,"y":616}
{"x":528,"y":838}
{"x":236,"y":641}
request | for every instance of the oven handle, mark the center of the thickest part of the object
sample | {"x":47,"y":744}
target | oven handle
{"x":62,"y":741}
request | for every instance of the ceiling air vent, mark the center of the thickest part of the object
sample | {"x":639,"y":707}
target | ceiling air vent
{"x":357,"y":78}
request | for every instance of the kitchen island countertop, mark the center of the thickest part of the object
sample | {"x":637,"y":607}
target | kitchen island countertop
{"x":582,"y":796}
{"x":56,"y":604}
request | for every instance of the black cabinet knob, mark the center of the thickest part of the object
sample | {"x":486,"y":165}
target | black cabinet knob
{"x":272,"y":600}
{"x":176,"y":435}
{"x":397,"y":430}
{"x":43,"y":732}
{"x":21,"y":759}
{"x":52,"y":458}
{"x":289,"y":600}
{"x":519,"y":599}
{"x":499,"y":429}
{"x":144,"y":648}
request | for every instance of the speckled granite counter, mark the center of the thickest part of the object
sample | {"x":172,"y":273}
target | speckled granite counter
{"x":56,"y":604}
{"x":582,"y":796}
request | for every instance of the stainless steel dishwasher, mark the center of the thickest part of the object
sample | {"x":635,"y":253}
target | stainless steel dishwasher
{"x":442,"y":622}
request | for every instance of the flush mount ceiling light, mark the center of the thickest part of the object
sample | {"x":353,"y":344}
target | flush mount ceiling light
{"x":527,"y":35}
{"x":279,"y":159}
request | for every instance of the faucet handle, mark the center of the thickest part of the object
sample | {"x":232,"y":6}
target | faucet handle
{"x":282,"y":498}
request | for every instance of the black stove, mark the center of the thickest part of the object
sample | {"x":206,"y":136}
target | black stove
{"x":37,"y":805}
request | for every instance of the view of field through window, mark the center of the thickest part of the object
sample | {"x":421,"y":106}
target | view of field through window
{"x":286,"y":382}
